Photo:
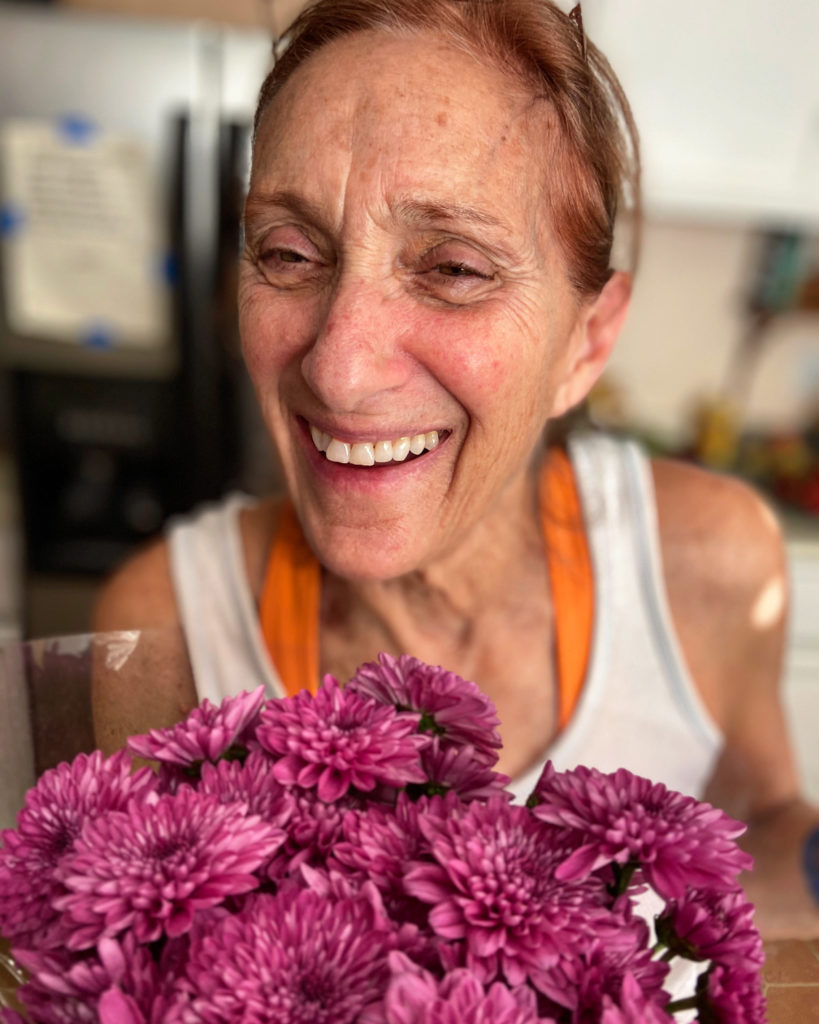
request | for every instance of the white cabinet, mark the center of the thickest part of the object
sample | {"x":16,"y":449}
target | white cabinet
{"x":726,"y":97}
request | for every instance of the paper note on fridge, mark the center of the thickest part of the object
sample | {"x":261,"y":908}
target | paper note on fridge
{"x":84,"y":251}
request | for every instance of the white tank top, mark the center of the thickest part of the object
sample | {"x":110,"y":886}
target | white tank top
{"x":638,"y":709}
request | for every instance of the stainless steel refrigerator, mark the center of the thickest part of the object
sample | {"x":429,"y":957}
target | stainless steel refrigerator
{"x":114,"y":434}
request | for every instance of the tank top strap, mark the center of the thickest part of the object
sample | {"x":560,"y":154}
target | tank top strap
{"x":290,"y":603}
{"x":571,"y":577}
{"x":291,"y":593}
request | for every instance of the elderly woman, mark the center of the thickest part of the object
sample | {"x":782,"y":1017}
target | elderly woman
{"x":426,"y":283}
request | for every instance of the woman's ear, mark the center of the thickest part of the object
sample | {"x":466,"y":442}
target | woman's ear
{"x":599,"y":323}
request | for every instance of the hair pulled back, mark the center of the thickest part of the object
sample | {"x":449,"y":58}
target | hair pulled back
{"x":593,"y":156}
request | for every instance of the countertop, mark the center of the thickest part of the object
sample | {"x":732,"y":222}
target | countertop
{"x":792,"y":982}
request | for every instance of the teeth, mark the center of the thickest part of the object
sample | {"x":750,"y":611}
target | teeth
{"x":368,"y":453}
{"x":383,"y":451}
{"x":400,"y":449}
{"x":338,"y":451}
{"x":320,"y":439}
{"x":362,"y":455}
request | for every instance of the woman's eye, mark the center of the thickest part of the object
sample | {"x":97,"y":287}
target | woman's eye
{"x":289,"y":264}
{"x":453,"y":277}
{"x":275,"y":256}
{"x":453,"y":269}
{"x":288,"y":256}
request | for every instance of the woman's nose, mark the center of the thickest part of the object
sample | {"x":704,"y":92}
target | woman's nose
{"x":356,"y":356}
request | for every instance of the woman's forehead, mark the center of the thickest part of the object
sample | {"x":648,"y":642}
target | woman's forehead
{"x":405,"y":111}
{"x":400,"y":77}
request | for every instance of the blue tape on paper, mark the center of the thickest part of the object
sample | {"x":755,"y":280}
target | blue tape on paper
{"x":12,"y":218}
{"x":99,"y":336}
{"x":811,"y":863}
{"x":76,"y":129}
{"x":169,"y":270}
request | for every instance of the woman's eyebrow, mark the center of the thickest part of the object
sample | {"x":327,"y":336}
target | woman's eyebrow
{"x":433,"y":213}
{"x":428,"y":211}
{"x":417,"y":213}
{"x":259,"y":200}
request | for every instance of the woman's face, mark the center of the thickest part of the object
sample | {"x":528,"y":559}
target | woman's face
{"x":400,"y":281}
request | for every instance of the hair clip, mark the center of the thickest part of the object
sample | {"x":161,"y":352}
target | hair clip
{"x":576,"y":17}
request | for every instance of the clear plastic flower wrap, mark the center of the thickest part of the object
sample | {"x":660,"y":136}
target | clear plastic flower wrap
{"x":353,"y":858}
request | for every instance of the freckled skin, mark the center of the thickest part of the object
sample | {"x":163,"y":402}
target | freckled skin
{"x":372,"y":347}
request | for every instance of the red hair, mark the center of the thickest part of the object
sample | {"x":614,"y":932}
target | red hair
{"x":594,"y":160}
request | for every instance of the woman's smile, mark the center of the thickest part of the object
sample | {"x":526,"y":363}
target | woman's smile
{"x":371,"y":453}
{"x":369,"y":467}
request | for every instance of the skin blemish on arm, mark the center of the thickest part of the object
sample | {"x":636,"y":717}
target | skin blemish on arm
{"x":769,"y":604}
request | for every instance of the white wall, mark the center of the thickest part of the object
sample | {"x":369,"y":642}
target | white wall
{"x":685,"y":323}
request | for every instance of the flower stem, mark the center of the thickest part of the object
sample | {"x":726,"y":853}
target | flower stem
{"x":622,"y":877}
{"x":682,"y":1004}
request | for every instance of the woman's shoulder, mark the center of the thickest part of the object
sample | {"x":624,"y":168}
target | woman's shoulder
{"x":721,"y":519}
{"x":140,"y":594}
{"x":725,"y":572}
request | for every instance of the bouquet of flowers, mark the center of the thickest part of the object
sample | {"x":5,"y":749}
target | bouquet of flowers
{"x":353,"y":858}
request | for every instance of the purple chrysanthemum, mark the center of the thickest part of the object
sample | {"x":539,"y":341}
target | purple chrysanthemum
{"x":623,"y":818}
{"x":456,"y":769}
{"x":452,"y":708}
{"x":207,"y":733}
{"x":141,"y":903}
{"x":314,"y":828}
{"x":493,"y":885}
{"x":729,"y":994}
{"x":585,"y":980}
{"x":378,"y":841}
{"x":65,"y":988}
{"x":632,"y":1006}
{"x":336,"y":740}
{"x":153,"y":866}
{"x":336,"y":886}
{"x":250,"y":783}
{"x":708,"y":925}
{"x":414,"y":996}
{"x":293,"y":958}
{"x":47,"y":828}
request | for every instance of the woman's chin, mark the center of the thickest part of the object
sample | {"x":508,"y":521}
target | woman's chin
{"x":367,"y":555}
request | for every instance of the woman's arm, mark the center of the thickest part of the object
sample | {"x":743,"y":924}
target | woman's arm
{"x":726,"y":574}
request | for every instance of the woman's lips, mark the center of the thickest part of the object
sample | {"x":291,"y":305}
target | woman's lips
{"x":374,"y":452}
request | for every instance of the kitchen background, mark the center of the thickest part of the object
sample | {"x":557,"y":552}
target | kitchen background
{"x":124,"y":129}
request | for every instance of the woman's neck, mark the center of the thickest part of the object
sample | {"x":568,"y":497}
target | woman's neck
{"x":452,"y":611}
{"x":484,"y":612}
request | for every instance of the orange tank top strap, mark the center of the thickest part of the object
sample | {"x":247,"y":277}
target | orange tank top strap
{"x":289,"y":607}
{"x":571,"y":577}
{"x":291,"y":594}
